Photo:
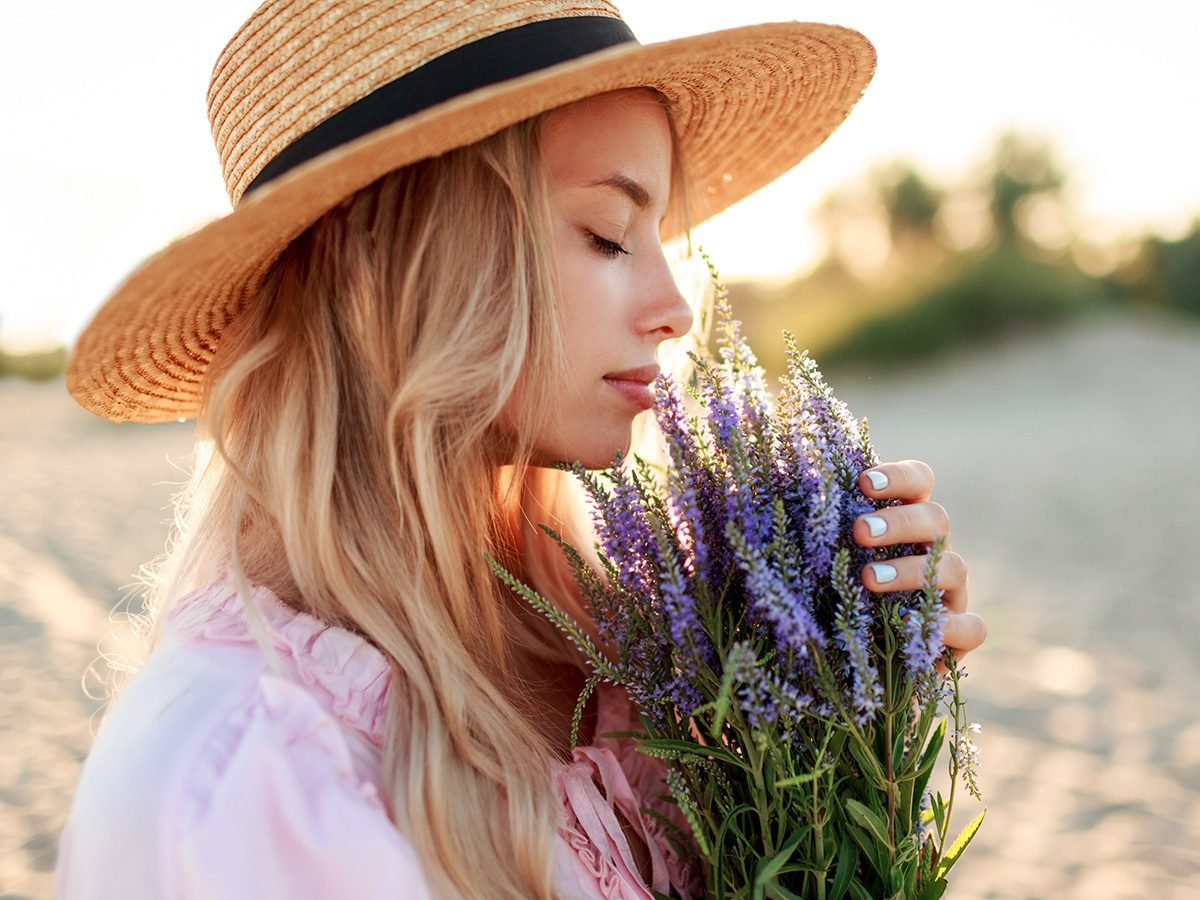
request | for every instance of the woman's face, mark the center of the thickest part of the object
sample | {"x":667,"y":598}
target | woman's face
{"x":608,"y":163}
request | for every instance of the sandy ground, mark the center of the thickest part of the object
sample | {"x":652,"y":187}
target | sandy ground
{"x":1069,"y":466}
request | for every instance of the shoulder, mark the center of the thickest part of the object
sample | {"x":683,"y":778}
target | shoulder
{"x":213,"y":777}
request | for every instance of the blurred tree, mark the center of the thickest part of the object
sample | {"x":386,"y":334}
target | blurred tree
{"x":1166,"y":273}
{"x":1021,"y":167}
{"x":910,"y":204}
{"x":37,"y":365}
{"x":914,"y":268}
{"x":1001,"y":293}
{"x":40,"y":365}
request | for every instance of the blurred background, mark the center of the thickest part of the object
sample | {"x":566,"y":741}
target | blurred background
{"x":996,"y":260}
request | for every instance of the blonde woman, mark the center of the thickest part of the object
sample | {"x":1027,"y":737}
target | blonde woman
{"x":444,"y":272}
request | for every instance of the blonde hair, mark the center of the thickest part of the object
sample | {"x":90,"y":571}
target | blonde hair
{"x":360,"y":473}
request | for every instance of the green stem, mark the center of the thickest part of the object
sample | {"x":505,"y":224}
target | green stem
{"x":957,"y":716}
{"x":889,"y":720}
{"x":820,"y":837}
{"x":891,"y":792}
{"x":760,"y":794}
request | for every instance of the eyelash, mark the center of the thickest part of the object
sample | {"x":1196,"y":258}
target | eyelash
{"x":608,"y":248}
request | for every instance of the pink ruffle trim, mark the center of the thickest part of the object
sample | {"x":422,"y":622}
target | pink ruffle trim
{"x":350,"y":674}
{"x":354,"y":677}
{"x":630,"y":781}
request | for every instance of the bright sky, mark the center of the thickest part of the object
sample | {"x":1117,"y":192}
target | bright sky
{"x":109,"y":154}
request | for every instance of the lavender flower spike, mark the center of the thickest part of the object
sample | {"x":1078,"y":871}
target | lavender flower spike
{"x":853,"y":623}
{"x":923,"y":624}
{"x":673,"y":420}
{"x":822,"y":526}
{"x":785,"y":606}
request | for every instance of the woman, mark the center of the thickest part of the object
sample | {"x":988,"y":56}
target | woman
{"x":443,"y":273}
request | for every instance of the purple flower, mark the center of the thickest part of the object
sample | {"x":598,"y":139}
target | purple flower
{"x":684,"y":693}
{"x":673,"y":422}
{"x":822,"y":529}
{"x":689,"y":479}
{"x":853,"y":625}
{"x":679,"y":608}
{"x":785,"y":607}
{"x":922,"y":639}
{"x":721,"y":405}
{"x":769,"y":698}
{"x":627,"y":538}
{"x":923,"y":624}
{"x":746,"y":508}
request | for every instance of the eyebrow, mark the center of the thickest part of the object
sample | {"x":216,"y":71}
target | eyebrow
{"x":625,"y":185}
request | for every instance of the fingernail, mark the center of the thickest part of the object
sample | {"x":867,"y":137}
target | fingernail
{"x":883,"y":572}
{"x":877,"y":525}
{"x":878,"y":480}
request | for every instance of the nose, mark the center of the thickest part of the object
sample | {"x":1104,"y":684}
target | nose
{"x":665,"y":313}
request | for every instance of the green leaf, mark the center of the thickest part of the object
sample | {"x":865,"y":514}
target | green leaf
{"x":718,"y":854}
{"x":934,"y":890}
{"x":782,"y":893}
{"x":960,"y":844}
{"x":847,"y":863}
{"x":720,"y":706}
{"x":858,"y":892}
{"x":903,"y":876}
{"x":869,"y":847}
{"x":937,"y":805}
{"x":769,"y":868}
{"x":929,"y":759}
{"x":867,"y":762}
{"x":869,"y":820}
{"x":768,"y":771}
{"x":802,"y":779}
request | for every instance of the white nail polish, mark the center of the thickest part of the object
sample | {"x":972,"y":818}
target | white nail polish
{"x":878,"y":480}
{"x":877,"y":525}
{"x":883,"y":572}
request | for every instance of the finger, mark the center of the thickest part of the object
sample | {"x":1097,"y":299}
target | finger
{"x":909,"y":479}
{"x":963,"y":632}
{"x":912,"y":523}
{"x":908,"y":574}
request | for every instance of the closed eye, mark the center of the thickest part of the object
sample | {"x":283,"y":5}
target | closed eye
{"x":608,"y":248}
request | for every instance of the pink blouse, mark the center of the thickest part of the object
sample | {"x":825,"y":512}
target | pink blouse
{"x":214,"y":777}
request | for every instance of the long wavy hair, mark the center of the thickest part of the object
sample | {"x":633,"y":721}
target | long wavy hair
{"x":357,"y":469}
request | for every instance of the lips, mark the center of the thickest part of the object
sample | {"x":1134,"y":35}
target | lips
{"x":634,"y":385}
{"x":644,"y":375}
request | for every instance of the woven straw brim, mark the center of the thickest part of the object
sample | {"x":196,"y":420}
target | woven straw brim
{"x":749,"y":103}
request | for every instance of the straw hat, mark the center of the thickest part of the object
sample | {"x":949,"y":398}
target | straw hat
{"x":314,"y":99}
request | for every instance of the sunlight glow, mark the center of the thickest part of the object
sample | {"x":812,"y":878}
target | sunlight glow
{"x":95,"y":186}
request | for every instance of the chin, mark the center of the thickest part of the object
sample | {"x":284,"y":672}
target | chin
{"x":603,"y":461}
{"x":592,"y":454}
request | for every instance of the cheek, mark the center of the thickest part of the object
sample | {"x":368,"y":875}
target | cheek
{"x":590,"y":303}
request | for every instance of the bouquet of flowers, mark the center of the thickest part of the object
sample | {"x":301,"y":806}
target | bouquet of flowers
{"x":800,"y":717}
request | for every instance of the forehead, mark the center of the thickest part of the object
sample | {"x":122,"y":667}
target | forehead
{"x":618,"y":133}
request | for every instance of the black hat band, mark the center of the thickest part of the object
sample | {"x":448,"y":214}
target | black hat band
{"x":489,"y":60}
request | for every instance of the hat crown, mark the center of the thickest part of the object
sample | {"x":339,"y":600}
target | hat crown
{"x":295,"y":63}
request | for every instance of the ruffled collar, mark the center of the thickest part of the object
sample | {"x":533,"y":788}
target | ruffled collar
{"x":351,"y":673}
{"x":353,"y":676}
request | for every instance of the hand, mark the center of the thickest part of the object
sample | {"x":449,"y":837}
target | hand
{"x":917,"y":521}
